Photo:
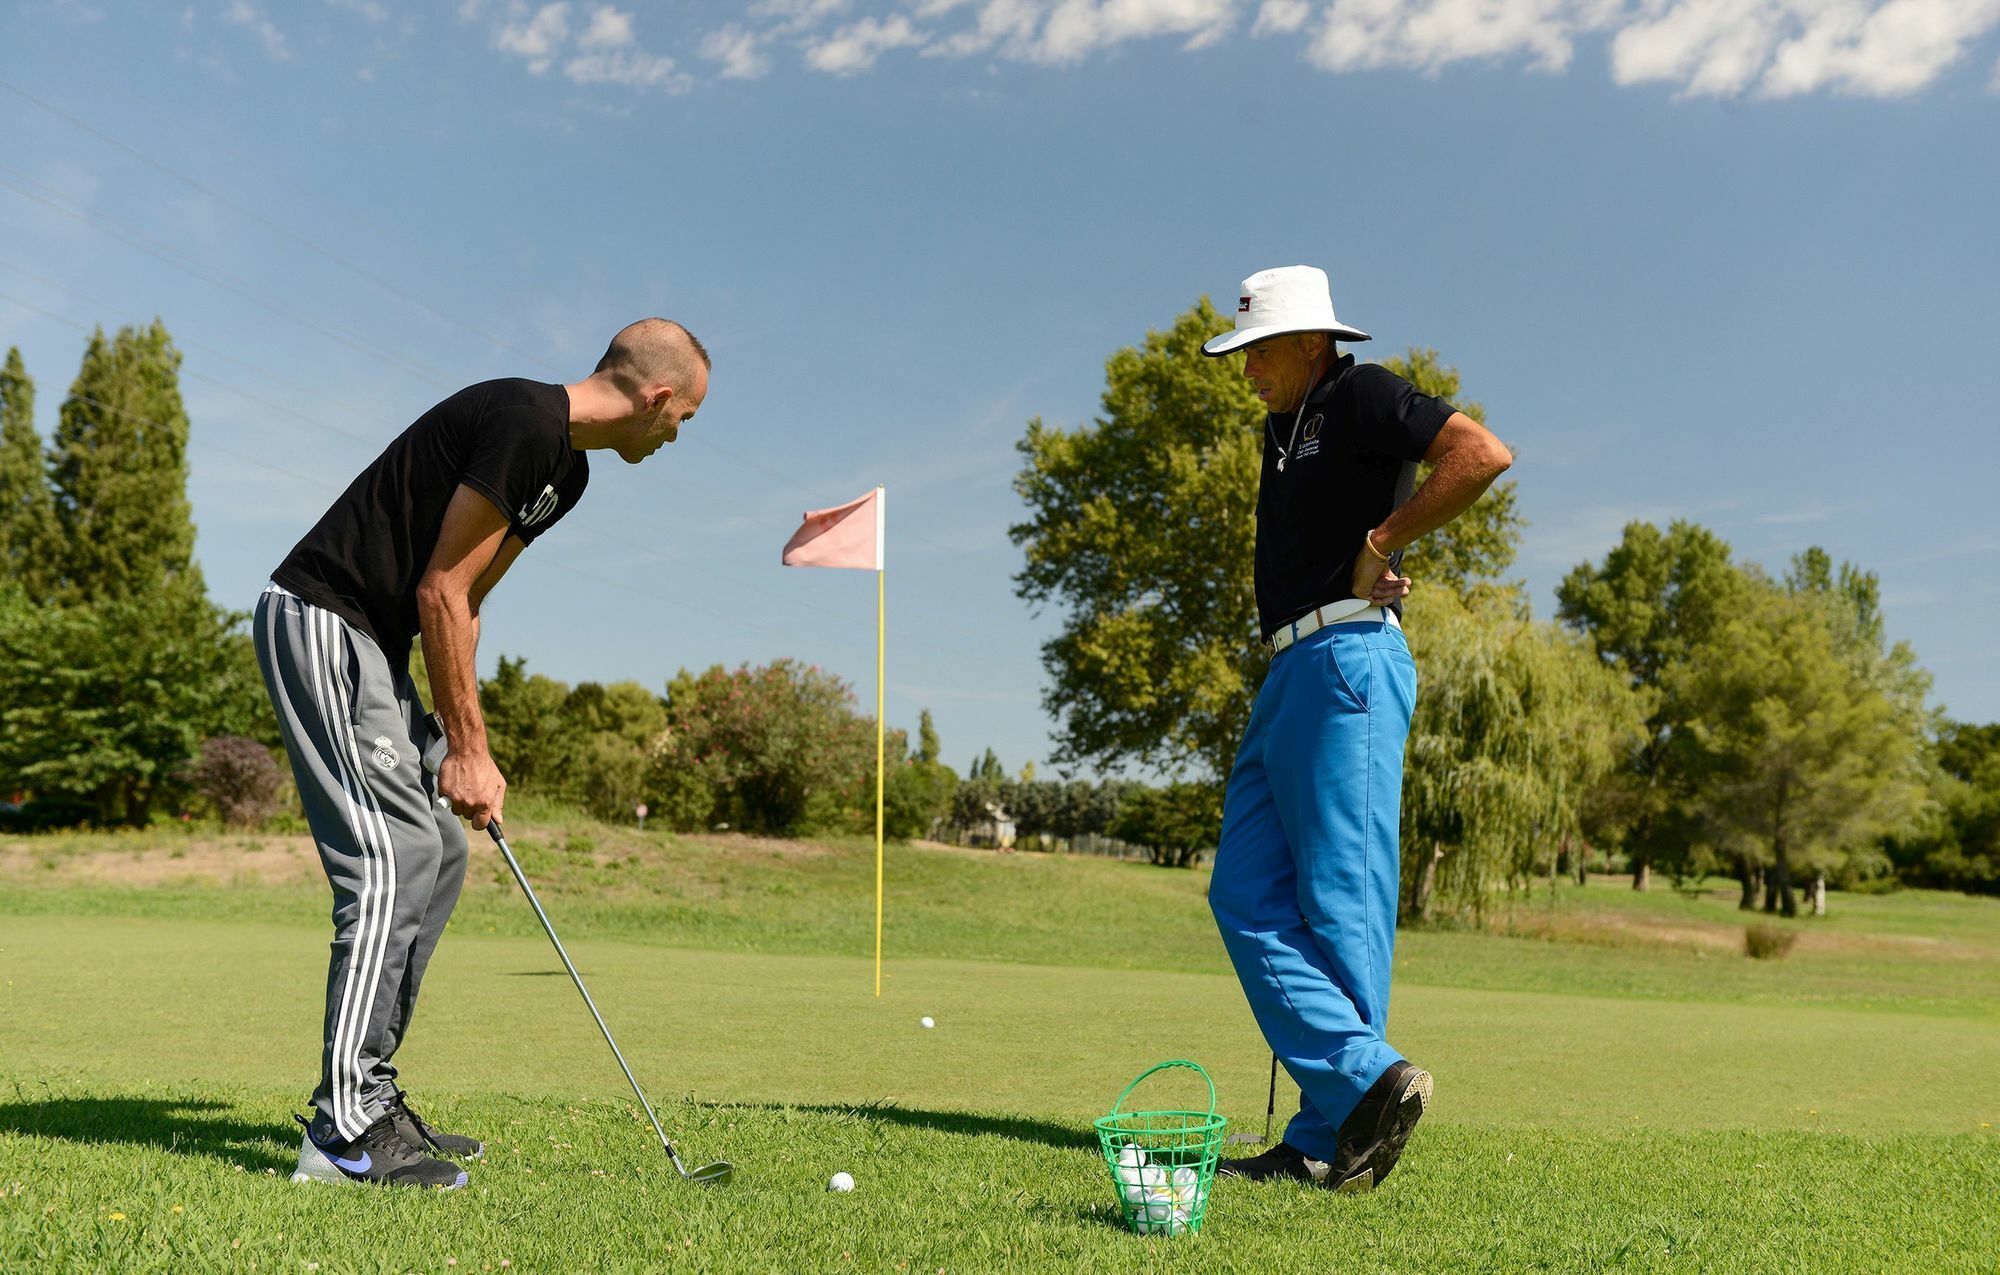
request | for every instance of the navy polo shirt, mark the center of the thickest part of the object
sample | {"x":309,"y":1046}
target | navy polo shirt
{"x":1352,"y":462}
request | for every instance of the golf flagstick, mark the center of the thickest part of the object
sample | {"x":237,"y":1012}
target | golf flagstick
{"x":854,"y":535}
{"x":708,"y":1174}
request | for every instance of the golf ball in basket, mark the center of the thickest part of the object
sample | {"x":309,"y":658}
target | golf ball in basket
{"x":840,"y":1182}
{"x":925,"y":1021}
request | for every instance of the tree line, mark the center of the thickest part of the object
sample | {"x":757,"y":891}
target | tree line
{"x":1688,"y":712}
{"x":1683,"y":711}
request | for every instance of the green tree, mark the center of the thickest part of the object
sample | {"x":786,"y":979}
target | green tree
{"x":1813,"y":752}
{"x":1142,"y":530}
{"x":1657,"y":599}
{"x":27,"y":512}
{"x":1480,"y":543}
{"x":107,"y":704}
{"x":1176,"y":823}
{"x":524,"y":724}
{"x":1515,"y":724}
{"x":1956,"y":845}
{"x":118,"y":465}
{"x":776,"y":749}
{"x":928,"y":748}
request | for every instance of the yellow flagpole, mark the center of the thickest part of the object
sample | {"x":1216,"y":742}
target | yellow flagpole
{"x":881,"y":628}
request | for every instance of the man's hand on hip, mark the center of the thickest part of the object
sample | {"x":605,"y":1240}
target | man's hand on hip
{"x":1375,"y":581}
{"x":474,"y":786}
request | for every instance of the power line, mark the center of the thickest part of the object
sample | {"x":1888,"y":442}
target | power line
{"x":209,"y":275}
{"x":387,"y":284}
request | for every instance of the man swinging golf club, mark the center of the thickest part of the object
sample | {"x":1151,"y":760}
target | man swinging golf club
{"x":1306,"y":870}
{"x":412,"y":547}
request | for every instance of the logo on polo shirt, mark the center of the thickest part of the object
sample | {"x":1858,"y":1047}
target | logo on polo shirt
{"x":545,"y":504}
{"x":1309,"y":436}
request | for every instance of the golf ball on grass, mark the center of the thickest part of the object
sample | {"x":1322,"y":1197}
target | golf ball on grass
{"x":840,"y":1182}
{"x":926,"y":1022}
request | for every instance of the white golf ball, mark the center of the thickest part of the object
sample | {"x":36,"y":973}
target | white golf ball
{"x":840,"y":1182}
{"x":925,"y":1021}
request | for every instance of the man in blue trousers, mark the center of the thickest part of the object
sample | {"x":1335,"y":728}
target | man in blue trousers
{"x":1306,"y":872}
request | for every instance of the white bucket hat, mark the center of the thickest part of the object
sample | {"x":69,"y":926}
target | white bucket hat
{"x":1284,"y":299}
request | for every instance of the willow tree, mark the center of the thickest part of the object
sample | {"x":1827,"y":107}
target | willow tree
{"x":1516,"y":722}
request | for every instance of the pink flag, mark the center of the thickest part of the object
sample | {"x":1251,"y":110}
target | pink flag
{"x":848,"y":535}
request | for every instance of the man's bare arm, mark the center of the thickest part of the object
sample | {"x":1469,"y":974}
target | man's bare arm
{"x":1467,"y":458}
{"x":469,"y":545}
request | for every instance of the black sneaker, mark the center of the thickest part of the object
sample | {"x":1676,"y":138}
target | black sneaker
{"x":378,"y":1155}
{"x":1283,"y":1162}
{"x":423,"y":1139}
{"x":1373,"y":1137}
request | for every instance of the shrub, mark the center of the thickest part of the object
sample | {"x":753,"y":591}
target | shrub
{"x":776,"y":749}
{"x":1767,"y":942}
{"x":238,"y":775}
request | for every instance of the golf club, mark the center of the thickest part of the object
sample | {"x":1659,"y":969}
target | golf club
{"x":715,"y":1174}
{"x":1270,"y":1110}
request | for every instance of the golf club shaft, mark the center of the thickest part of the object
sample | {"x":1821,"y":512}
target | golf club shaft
{"x":500,"y":840}
{"x":1271,"y":1103}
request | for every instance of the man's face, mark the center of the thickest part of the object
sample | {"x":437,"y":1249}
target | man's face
{"x":1280,"y":368}
{"x":660,"y":423}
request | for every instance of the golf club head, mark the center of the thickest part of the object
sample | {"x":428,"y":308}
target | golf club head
{"x":721,"y":1173}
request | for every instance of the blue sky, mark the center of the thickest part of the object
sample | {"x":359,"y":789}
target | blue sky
{"x":1728,"y":260}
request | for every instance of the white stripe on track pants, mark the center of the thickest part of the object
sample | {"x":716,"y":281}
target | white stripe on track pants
{"x":355,"y":731}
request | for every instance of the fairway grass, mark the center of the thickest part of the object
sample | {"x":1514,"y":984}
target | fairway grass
{"x":1617,"y":1089}
{"x":150,"y":1180}
{"x":146,"y":1060}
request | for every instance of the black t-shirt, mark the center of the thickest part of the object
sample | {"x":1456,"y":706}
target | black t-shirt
{"x":1352,"y":462}
{"x":507,"y":440}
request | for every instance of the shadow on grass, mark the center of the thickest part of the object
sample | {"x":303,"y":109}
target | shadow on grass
{"x":181,"y":1126}
{"x":965,"y":1123}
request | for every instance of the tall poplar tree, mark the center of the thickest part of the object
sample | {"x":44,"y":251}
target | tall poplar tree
{"x":27,"y":517}
{"x":119,"y":467}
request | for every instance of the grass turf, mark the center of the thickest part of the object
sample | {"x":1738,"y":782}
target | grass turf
{"x":1612,"y":1091}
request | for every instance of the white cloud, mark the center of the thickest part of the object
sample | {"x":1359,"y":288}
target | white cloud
{"x":247,"y":14}
{"x":855,"y":47}
{"x":632,"y":68}
{"x":372,"y":10}
{"x":609,"y":29}
{"x":1728,"y":48}
{"x":1280,"y":17}
{"x":605,"y":50}
{"x":537,"y":39}
{"x":1892,"y":51}
{"x":738,"y":52}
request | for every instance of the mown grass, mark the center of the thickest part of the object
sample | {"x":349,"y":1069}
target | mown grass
{"x":1615,"y":1091}
{"x":1920,"y":951}
{"x":110,"y":1189}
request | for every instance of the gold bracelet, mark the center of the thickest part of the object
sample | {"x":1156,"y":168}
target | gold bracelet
{"x":1368,"y":538}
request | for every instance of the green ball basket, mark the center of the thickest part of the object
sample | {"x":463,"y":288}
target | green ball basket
{"x":1162,"y":1162}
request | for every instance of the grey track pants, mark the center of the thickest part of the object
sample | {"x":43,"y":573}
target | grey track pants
{"x":355,"y":731}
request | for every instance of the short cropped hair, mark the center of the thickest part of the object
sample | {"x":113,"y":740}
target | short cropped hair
{"x":653,"y":352}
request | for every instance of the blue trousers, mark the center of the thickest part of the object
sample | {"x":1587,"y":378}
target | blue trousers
{"x":1306,"y":872}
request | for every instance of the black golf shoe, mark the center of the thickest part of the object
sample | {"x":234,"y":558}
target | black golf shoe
{"x":1283,"y":1162}
{"x":1373,"y":1137}
{"x":379,"y":1155}
{"x":423,"y":1139}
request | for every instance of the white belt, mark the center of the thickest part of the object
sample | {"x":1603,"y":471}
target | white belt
{"x":1346,"y":611}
